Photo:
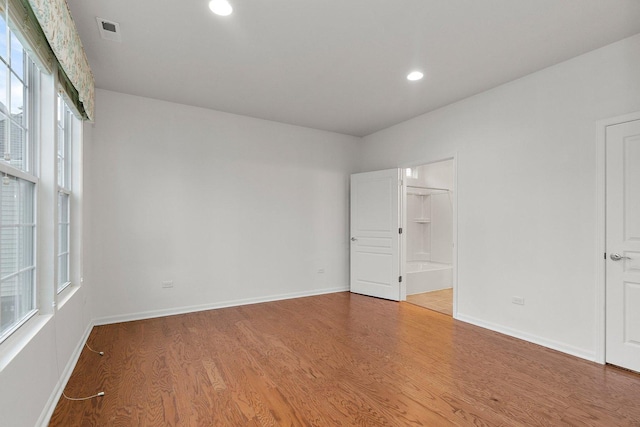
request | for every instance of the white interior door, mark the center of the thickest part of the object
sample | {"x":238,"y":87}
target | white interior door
{"x":623,"y":245}
{"x":375,"y":235}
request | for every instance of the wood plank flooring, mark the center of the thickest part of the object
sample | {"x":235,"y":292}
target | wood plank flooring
{"x":440,"y":301}
{"x":335,"y":360}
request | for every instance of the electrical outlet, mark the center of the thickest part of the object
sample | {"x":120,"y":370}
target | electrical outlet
{"x":517,"y":300}
{"x":167,"y":284}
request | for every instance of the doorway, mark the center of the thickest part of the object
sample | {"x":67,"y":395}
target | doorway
{"x":381,"y":230}
{"x":428,"y":216}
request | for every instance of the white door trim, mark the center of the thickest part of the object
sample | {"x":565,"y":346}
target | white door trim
{"x":600,"y":279}
{"x":413,"y":164}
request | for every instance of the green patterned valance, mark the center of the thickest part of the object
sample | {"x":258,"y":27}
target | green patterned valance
{"x":60,"y":30}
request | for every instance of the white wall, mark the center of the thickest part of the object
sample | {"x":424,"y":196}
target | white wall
{"x":231,"y":209}
{"x":526,"y":190}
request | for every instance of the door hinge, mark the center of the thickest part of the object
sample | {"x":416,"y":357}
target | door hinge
{"x":400,"y":230}
{"x":400,"y":279}
{"x":605,"y":255}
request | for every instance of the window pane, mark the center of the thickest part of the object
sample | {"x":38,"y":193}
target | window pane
{"x":9,"y":245}
{"x":25,"y":257}
{"x":60,"y":111}
{"x":17,"y":137}
{"x":14,"y":106}
{"x":9,"y":303}
{"x":4,"y":94}
{"x":63,"y":270}
{"x":17,"y":57}
{"x":26,"y":292}
{"x":63,"y":239}
{"x":17,"y":229}
{"x":63,"y":207}
{"x":18,"y":107}
{"x":3,"y":39}
{"x":5,"y":124}
{"x":63,"y":245}
{"x":16,"y":299}
{"x":65,"y":128}
{"x":17,"y":98}
{"x":16,"y":251}
{"x":60,"y":172}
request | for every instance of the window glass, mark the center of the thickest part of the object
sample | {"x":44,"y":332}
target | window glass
{"x":3,"y":40}
{"x":14,"y":76}
{"x":63,"y":240}
{"x":4,"y":95}
{"x":65,"y":119}
{"x":17,"y":57}
{"x":4,"y":132}
{"x":17,"y":291}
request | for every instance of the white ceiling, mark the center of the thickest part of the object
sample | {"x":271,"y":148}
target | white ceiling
{"x":338,"y":65}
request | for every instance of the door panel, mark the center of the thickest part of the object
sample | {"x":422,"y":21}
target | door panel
{"x":375,"y":243}
{"x":631,"y":313}
{"x":632,"y":187}
{"x":623,"y":245}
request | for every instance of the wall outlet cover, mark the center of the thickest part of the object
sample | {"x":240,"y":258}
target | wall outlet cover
{"x":517,"y":300}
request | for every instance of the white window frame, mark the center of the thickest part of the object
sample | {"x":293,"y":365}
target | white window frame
{"x":28,"y":172}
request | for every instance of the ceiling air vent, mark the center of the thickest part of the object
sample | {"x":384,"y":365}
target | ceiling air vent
{"x":109,"y":30}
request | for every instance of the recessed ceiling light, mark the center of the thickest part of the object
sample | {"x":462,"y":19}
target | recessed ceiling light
{"x":415,"y":75}
{"x":220,"y":7}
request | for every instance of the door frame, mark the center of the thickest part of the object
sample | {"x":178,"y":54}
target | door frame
{"x":601,"y":230}
{"x":403,"y":219}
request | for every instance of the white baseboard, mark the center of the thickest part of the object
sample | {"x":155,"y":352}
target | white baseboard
{"x":554,"y":345}
{"x":47,"y":412}
{"x":194,"y":308}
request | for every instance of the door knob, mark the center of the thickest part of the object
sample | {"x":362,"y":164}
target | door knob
{"x":617,"y":257}
{"x":353,"y":239}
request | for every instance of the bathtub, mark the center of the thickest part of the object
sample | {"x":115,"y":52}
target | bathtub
{"x":423,"y":276}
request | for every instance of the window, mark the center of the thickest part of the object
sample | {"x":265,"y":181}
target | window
{"x":17,"y":184}
{"x":65,"y":137}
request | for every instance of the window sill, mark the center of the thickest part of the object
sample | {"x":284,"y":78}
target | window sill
{"x":14,"y":344}
{"x":66,"y":294}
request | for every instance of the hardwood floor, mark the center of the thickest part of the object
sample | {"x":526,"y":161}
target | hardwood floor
{"x":335,"y":360}
{"x":440,"y":301}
